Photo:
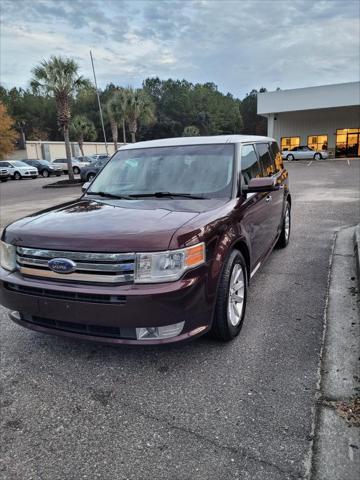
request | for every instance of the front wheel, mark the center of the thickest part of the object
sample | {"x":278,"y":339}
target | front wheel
{"x":231,"y":299}
{"x":317,"y":156}
{"x":45,"y":173}
{"x":17,"y":176}
{"x":290,"y":158}
{"x":76,"y":170}
{"x":285,"y":229}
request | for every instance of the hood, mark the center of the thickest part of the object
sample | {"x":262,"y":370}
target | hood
{"x":101,"y":226}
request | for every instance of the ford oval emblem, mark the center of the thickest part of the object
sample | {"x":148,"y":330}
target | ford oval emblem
{"x":62,"y":265}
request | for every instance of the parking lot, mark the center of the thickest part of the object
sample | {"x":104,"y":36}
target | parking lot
{"x":200,"y":410}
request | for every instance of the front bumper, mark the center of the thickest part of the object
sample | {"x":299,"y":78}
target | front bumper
{"x":93,"y":312}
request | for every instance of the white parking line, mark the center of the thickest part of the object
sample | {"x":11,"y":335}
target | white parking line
{"x":348,"y":162}
{"x":310,"y":163}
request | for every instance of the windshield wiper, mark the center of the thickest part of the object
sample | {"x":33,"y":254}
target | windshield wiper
{"x":110,"y":195}
{"x":169,"y":194}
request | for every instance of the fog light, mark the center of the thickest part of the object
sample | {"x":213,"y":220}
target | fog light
{"x":167,"y":331}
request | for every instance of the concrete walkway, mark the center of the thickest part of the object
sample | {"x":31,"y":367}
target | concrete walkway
{"x":336,"y":449}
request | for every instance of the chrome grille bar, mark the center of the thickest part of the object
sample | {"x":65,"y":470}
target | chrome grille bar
{"x":87,"y":256}
{"x":105,"y":268}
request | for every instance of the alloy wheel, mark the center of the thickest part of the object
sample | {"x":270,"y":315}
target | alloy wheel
{"x":287,"y":223}
{"x":236,"y":295}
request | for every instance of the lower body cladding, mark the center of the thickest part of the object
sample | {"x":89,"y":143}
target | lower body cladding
{"x":128,"y":314}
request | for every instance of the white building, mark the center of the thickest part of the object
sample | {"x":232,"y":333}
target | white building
{"x":321,"y":117}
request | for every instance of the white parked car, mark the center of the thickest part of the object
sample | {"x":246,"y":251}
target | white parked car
{"x":77,"y":166}
{"x":304,"y":153}
{"x":19,"y":170}
{"x":4,"y":174}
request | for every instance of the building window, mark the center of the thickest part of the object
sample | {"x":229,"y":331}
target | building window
{"x":318,"y":142}
{"x":288,"y":143}
{"x":348,"y":142}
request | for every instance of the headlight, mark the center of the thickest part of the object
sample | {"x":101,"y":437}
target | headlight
{"x":8,"y":256}
{"x":167,"y":266}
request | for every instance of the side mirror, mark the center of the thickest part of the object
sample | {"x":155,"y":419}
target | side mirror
{"x":265,"y":184}
{"x":85,"y":187}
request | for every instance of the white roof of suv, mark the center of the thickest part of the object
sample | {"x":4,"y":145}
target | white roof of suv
{"x":216,"y":139}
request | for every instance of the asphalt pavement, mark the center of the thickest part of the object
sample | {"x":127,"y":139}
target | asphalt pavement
{"x":19,"y":198}
{"x":201,"y":410}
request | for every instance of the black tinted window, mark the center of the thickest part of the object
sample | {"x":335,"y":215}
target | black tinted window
{"x":250,"y":167}
{"x":265,"y":159}
{"x":276,"y":156}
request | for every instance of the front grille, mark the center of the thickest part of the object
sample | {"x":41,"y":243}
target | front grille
{"x":103,"y":268}
{"x":76,"y":296}
{"x":4,"y":172}
{"x":94,"y":330}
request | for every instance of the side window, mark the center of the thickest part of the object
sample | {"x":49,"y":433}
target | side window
{"x":276,"y":156}
{"x":250,"y":167}
{"x":266,"y":161}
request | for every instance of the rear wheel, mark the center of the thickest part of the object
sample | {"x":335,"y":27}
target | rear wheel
{"x":290,"y":157}
{"x":317,"y":156}
{"x":76,"y":170}
{"x":45,"y":173}
{"x":285,"y":229}
{"x":231,"y":299}
{"x":17,"y":176}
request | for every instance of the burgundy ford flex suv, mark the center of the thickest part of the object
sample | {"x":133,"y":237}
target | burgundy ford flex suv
{"x":160,"y":248}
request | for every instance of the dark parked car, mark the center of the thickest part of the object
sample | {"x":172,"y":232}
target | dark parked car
{"x":88,"y":174}
{"x":160,"y":248}
{"x":45,"y":168}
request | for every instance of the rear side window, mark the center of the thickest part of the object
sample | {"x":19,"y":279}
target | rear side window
{"x":276,"y":156}
{"x":267,"y":162}
{"x":250,"y":167}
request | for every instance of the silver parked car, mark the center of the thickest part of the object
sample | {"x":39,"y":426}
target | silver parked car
{"x":77,"y":166}
{"x":304,"y":153}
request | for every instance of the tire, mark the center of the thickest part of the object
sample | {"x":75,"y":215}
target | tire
{"x":34,"y":177}
{"x":226,"y":324}
{"x":90,"y":177}
{"x":76,"y":170}
{"x":3,"y":180}
{"x":285,"y":229}
{"x":17,"y":176}
{"x":45,"y":173}
{"x":317,"y":156}
{"x":290,"y":157}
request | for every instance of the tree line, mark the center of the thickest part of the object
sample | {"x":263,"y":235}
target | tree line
{"x":62,"y":105}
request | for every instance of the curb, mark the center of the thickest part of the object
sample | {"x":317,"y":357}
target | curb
{"x":357,"y":251}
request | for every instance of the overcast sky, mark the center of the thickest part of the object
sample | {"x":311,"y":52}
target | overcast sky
{"x":239,"y":45}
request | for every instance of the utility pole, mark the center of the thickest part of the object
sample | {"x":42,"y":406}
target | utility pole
{"x":98,"y":98}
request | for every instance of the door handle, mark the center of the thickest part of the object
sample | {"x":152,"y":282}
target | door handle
{"x":268,"y":198}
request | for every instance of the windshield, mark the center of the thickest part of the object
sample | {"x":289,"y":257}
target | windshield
{"x":198,"y":170}
{"x":19,"y":164}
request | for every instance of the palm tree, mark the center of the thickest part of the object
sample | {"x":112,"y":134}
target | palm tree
{"x":59,"y":78}
{"x":139,"y":107}
{"x":83,"y":129}
{"x":116,"y":112}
